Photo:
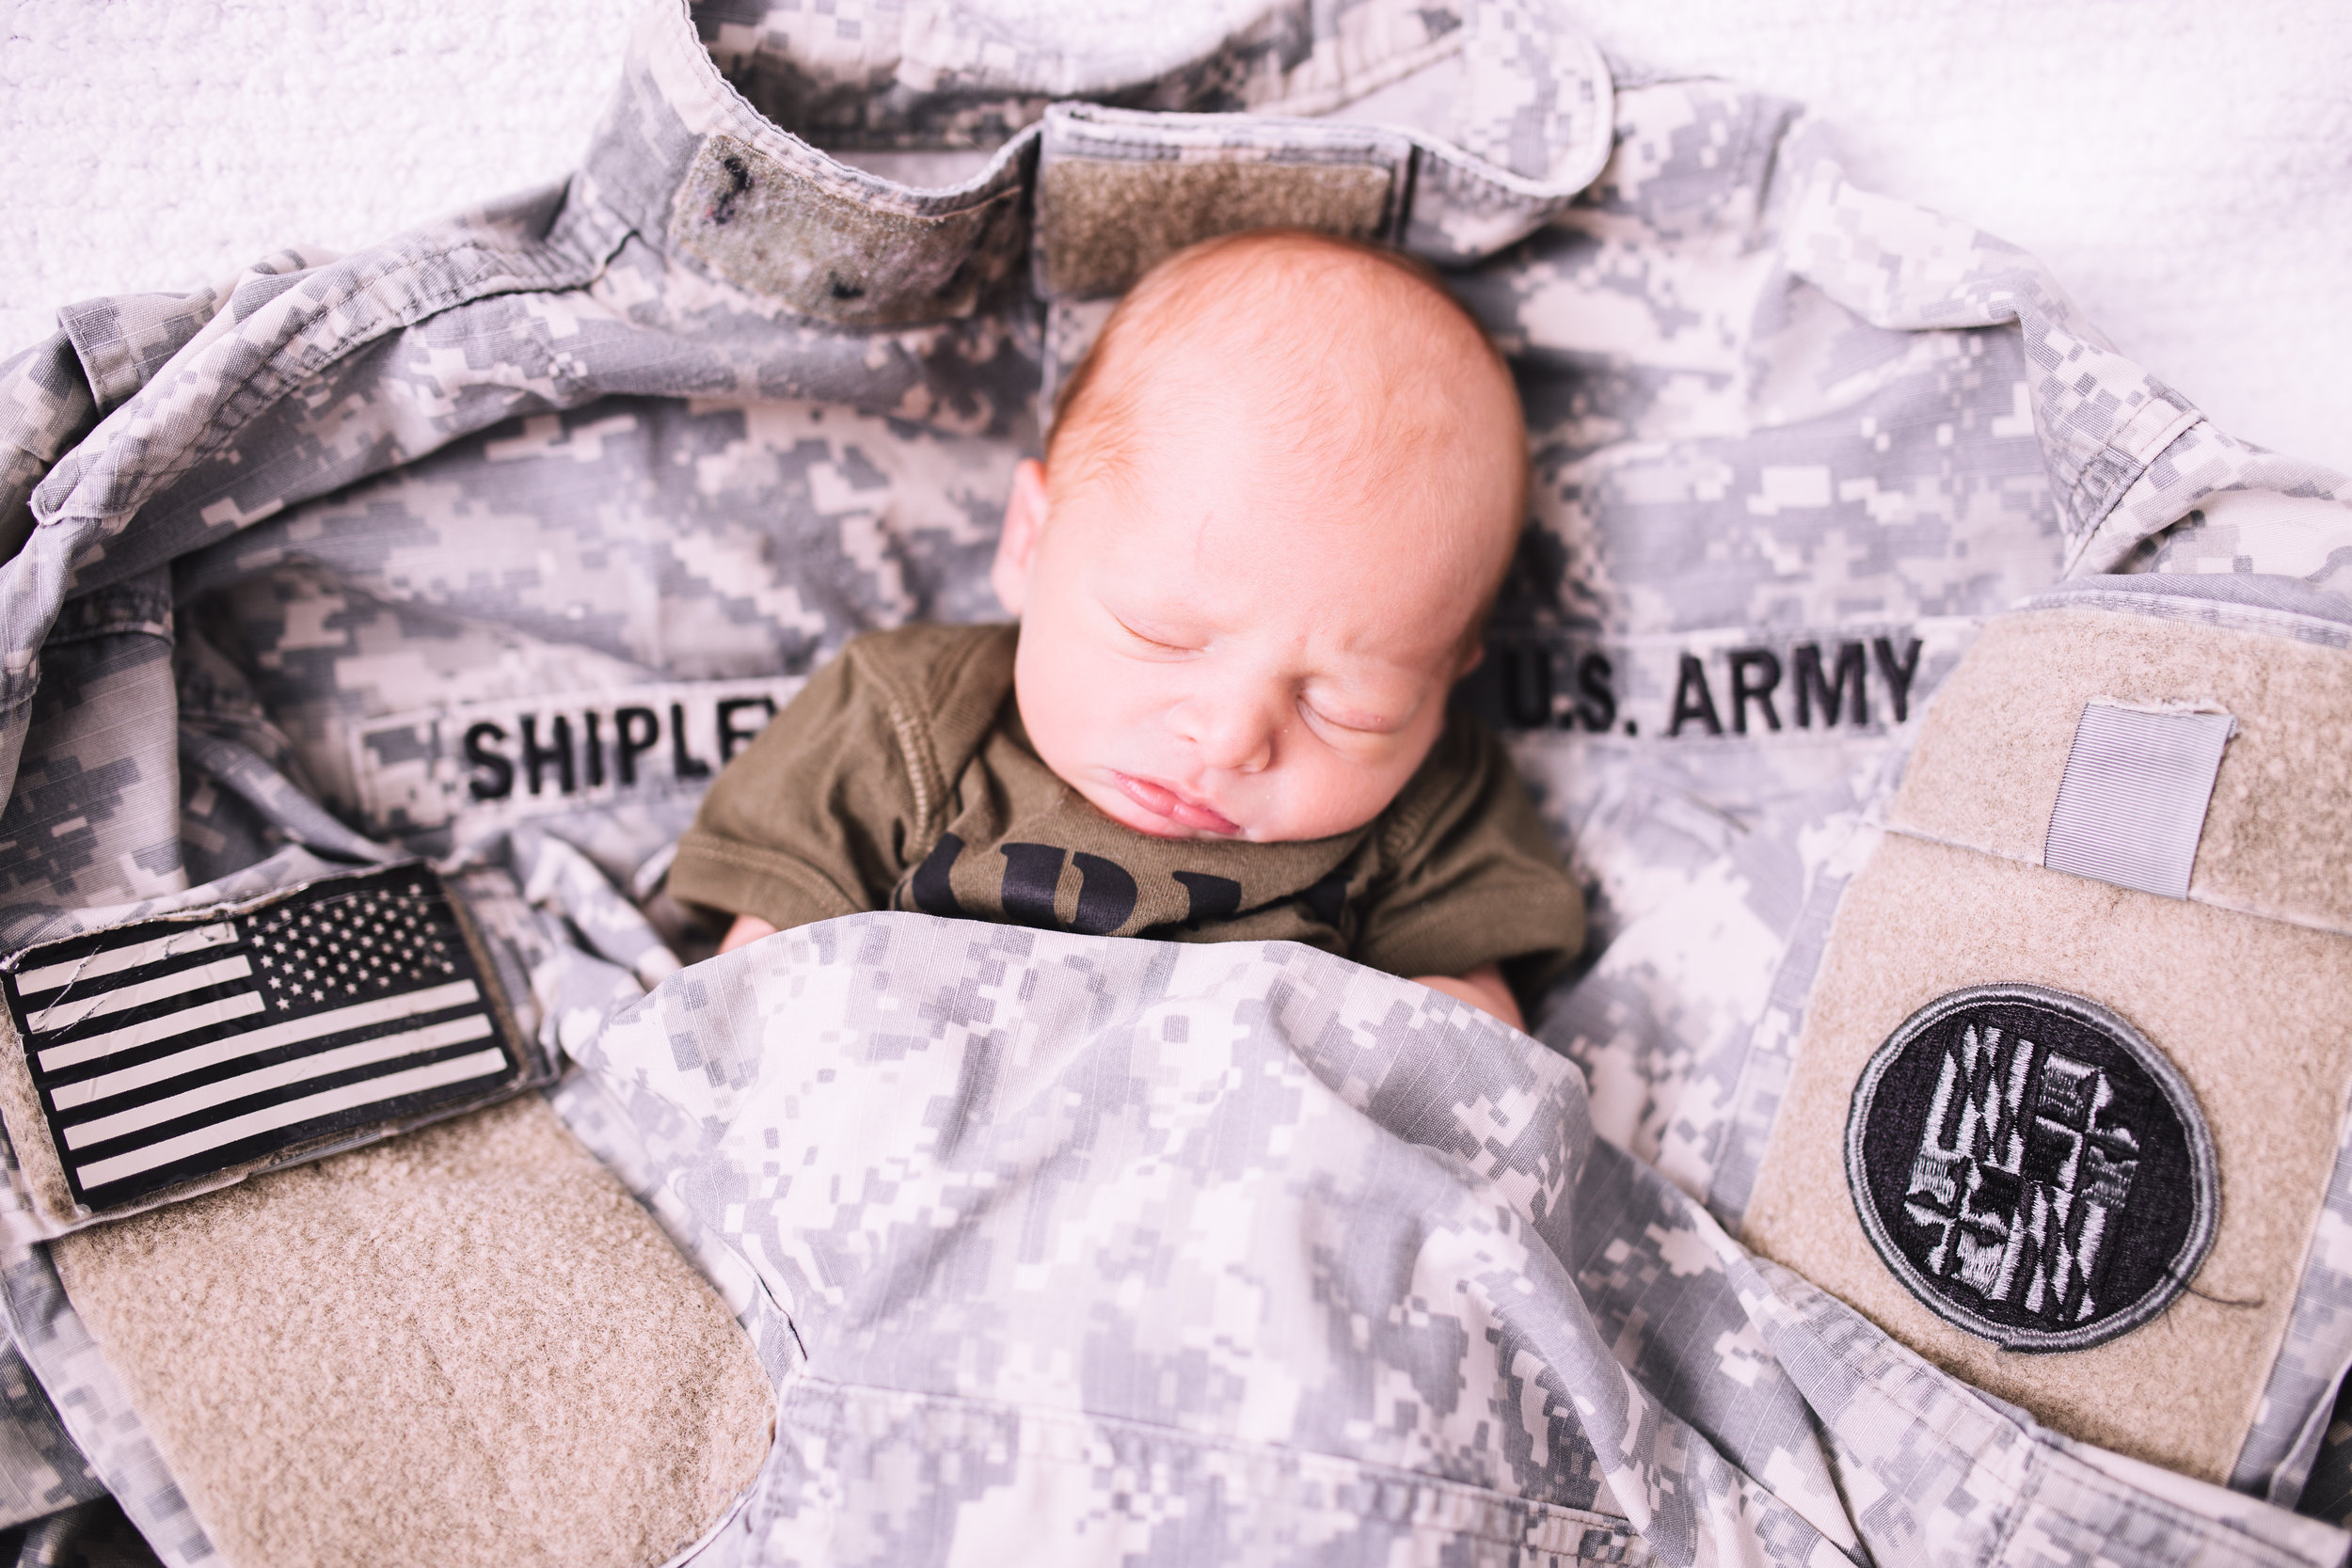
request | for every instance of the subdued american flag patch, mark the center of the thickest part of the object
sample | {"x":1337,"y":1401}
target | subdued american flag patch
{"x":170,"y":1050}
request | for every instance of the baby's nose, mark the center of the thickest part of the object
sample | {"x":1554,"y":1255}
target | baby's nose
{"x":1234,"y":735}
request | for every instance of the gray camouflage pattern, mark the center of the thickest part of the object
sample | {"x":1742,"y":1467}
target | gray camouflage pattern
{"x":489,"y":543}
{"x":44,"y":1470}
{"x":1058,"y":1259}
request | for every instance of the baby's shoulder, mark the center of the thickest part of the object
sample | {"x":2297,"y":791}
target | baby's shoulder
{"x":924,"y":659}
{"x":940,"y":686}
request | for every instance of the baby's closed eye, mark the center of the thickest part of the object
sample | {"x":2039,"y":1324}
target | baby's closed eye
{"x":1159,"y":638}
{"x":1339,"y":711}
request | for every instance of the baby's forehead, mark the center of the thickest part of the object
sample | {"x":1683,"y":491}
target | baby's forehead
{"x":1349,"y":360}
{"x":1280,"y":294}
{"x":1295,"y":275}
{"x":1361,"y":402}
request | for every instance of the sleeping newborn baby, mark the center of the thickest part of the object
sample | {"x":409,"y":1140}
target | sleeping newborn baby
{"x":1279,"y":496}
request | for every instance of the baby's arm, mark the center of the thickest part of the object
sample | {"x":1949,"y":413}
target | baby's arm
{"x":747,"y":928}
{"x":1482,"y":987}
{"x":802,"y":824}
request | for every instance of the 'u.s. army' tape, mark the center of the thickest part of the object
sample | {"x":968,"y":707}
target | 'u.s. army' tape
{"x":1750,"y":683}
{"x":495,"y":762}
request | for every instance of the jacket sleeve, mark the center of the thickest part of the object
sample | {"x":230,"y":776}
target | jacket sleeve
{"x":1469,"y":875}
{"x":811,"y":821}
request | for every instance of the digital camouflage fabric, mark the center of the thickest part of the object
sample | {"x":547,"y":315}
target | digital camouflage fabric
{"x":491,"y":543}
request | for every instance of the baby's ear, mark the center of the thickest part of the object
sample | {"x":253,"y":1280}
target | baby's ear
{"x":1016,"y":546}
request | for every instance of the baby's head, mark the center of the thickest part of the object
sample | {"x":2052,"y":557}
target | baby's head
{"x":1279,"y":496}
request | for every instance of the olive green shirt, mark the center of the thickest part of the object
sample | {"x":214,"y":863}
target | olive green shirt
{"x":901,"y":777}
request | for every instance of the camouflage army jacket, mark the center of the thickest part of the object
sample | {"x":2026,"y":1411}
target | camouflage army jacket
{"x":1871,"y":604}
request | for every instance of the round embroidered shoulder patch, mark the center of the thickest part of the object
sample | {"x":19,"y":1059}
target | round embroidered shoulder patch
{"x":2030,"y":1167}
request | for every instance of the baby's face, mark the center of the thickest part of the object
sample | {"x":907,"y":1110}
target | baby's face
{"x":1216,"y":649}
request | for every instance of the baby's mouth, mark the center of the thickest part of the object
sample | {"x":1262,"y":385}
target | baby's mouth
{"x":1163,"y":801}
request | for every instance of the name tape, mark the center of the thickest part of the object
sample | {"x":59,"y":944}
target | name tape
{"x":528,"y":756}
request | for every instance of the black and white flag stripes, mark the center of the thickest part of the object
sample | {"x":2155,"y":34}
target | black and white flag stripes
{"x":168,"y":1050}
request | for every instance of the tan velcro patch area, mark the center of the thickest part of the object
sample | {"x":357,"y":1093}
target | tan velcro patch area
{"x":2249,"y":1009}
{"x":1109,"y":221}
{"x":832,"y":249}
{"x":2278,"y":837}
{"x":465,"y":1346}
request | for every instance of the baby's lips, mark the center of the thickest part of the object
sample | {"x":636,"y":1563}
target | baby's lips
{"x":1164,"y":802}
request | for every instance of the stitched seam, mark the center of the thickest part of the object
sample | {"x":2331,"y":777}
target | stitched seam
{"x":1446,"y":153}
{"x":2224,"y":615}
{"x":2137,"y":469}
{"x":929,"y":776}
{"x":2093,"y":1480}
{"x":1620,"y":1530}
{"x":108,"y":628}
{"x":2324,"y":928}
{"x":682,"y":224}
{"x":521,"y":272}
{"x":909,"y":754}
{"x":1900,"y":1366}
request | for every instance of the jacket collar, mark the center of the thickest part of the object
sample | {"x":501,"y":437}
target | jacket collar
{"x":687,"y":157}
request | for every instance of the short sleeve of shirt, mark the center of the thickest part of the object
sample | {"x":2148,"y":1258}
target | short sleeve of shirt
{"x":809,"y":821}
{"x":1469,"y":875}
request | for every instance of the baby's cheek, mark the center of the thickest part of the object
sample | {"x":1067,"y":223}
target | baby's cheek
{"x":1333,"y":796}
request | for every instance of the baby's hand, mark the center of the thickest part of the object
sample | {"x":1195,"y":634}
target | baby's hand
{"x":747,"y":927}
{"x":1482,"y":987}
